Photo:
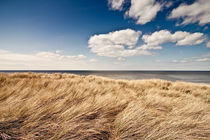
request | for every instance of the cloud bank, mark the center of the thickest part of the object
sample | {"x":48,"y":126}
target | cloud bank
{"x":122,"y":43}
{"x":43,"y":60}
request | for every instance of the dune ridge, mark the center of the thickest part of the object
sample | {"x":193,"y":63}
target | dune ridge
{"x":67,"y":106}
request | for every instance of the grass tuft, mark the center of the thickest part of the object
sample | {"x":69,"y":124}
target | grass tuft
{"x":67,"y":106}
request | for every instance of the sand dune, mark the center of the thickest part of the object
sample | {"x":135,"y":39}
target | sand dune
{"x":66,"y":106}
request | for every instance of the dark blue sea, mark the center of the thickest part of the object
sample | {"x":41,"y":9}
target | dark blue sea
{"x":187,"y":76}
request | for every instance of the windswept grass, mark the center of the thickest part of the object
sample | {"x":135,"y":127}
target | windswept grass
{"x":66,"y":106}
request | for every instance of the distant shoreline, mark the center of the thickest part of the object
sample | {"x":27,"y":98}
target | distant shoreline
{"x":105,"y":70}
{"x":186,"y":76}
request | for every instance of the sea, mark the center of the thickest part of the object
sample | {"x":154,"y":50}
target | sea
{"x":187,"y":76}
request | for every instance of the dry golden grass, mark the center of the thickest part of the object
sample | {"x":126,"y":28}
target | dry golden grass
{"x":66,"y":106}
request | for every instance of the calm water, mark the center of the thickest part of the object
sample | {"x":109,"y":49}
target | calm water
{"x":188,"y":76}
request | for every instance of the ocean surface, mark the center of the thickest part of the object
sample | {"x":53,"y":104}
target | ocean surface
{"x":187,"y":76}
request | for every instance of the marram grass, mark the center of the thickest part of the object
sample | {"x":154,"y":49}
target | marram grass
{"x":66,"y":106}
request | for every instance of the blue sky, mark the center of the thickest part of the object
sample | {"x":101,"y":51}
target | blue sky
{"x":104,"y":35}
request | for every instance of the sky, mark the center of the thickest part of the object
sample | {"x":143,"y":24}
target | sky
{"x":104,"y":35}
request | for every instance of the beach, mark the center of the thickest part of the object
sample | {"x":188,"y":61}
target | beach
{"x":69,"y":106}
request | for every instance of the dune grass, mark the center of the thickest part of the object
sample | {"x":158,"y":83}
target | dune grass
{"x":66,"y":106}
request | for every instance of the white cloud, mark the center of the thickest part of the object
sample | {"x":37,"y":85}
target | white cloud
{"x":192,"y":59}
{"x":143,"y":10}
{"x":93,"y":60}
{"x":121,"y":59}
{"x":168,"y":4}
{"x":49,"y":55}
{"x":77,"y":57}
{"x":191,"y":39}
{"x":181,"y":38}
{"x":208,"y":44}
{"x":180,"y":61}
{"x":203,"y":59}
{"x":150,"y":47}
{"x":199,"y":12}
{"x":42,"y":60}
{"x":117,"y":44}
{"x":116,"y":4}
{"x":157,"y":37}
{"x":121,"y":44}
{"x":58,"y":51}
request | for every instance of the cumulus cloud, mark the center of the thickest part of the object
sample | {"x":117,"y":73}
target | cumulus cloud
{"x":143,"y":10}
{"x":117,"y":44}
{"x":181,"y":38}
{"x":208,"y":44}
{"x":157,"y":37}
{"x":42,"y":60}
{"x":121,"y":44}
{"x":191,"y":39}
{"x":199,"y":12}
{"x":116,"y":4}
{"x":149,"y":47}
